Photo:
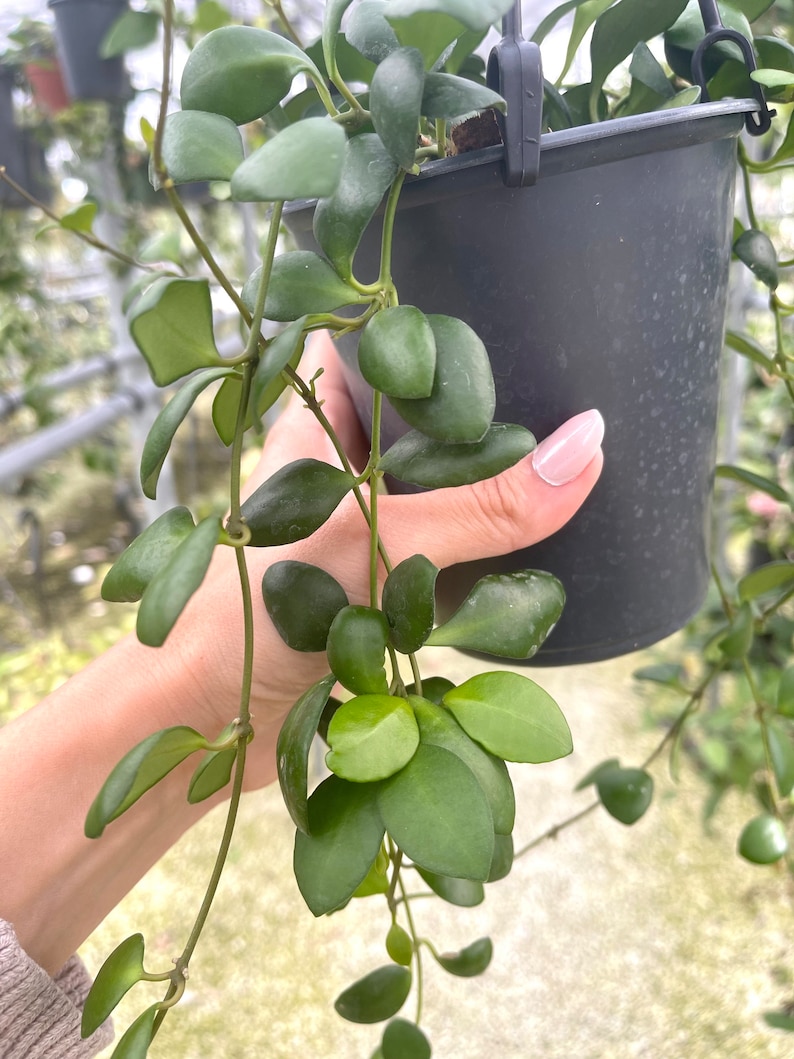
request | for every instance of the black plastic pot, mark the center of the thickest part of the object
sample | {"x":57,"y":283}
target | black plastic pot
{"x":80,"y":28}
{"x":20,"y":152}
{"x":603,"y":285}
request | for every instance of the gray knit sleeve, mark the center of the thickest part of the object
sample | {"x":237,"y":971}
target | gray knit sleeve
{"x":39,"y":1015}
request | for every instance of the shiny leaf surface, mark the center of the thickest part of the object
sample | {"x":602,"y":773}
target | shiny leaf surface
{"x":134,"y":1044}
{"x":200,"y":146}
{"x":356,"y":649}
{"x":127,"y":579}
{"x":285,"y":349}
{"x":395,"y":103}
{"x":408,"y":602}
{"x":171,"y":324}
{"x":625,"y":793}
{"x":399,"y":945}
{"x":302,"y":601}
{"x":300,"y":283}
{"x":212,"y":774}
{"x":397,"y":352}
{"x":469,"y":962}
{"x":420,"y":460}
{"x":763,"y":840}
{"x":371,"y":737}
{"x":757,"y":251}
{"x":119,"y":973}
{"x":404,"y":1040}
{"x":466,"y":893}
{"x":376,"y":997}
{"x":304,"y":161}
{"x":294,"y":502}
{"x":293,"y":748}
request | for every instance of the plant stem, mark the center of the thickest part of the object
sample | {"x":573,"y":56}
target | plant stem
{"x":417,"y":951}
{"x":377,"y":405}
{"x":384,"y":278}
{"x":286,"y":25}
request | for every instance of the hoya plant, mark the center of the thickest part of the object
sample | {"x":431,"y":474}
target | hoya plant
{"x":417,"y":785}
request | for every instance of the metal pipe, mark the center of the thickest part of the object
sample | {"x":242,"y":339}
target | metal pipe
{"x":66,"y":379}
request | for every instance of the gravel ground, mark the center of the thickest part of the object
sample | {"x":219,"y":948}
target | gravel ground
{"x":609,"y":942}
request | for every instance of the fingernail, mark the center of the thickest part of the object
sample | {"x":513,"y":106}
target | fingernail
{"x":563,"y":455}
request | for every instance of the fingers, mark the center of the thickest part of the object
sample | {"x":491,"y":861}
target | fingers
{"x":515,"y":509}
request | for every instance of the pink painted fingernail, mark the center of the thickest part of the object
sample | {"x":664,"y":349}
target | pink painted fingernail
{"x":563,"y":455}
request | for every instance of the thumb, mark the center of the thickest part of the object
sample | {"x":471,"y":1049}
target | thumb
{"x":511,"y":511}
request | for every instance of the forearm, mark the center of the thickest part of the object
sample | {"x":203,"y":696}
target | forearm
{"x":55,"y":884}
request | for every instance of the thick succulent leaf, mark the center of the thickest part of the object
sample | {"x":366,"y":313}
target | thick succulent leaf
{"x":399,"y":945}
{"x":376,"y":997}
{"x":139,"y":770}
{"x":332,"y":23}
{"x":377,"y":878}
{"x":404,"y":1040}
{"x":437,"y":727}
{"x":502,"y":862}
{"x":474,"y":14}
{"x":397,"y":352}
{"x":763,"y":840}
{"x":781,"y":749}
{"x":304,"y":161}
{"x":738,"y":640}
{"x":466,"y":893}
{"x":200,"y":146}
{"x":287,"y":588}
{"x":469,"y":962}
{"x":357,"y":648}
{"x":369,"y":32}
{"x":340,"y":220}
{"x":621,"y":27}
{"x":294,"y":502}
{"x":118,"y":974}
{"x":420,"y":460}
{"x":601,"y":769}
{"x":127,"y":579}
{"x":226,"y":406}
{"x":436,"y":811}
{"x":212,"y":774}
{"x":625,"y":793}
{"x":757,"y":251}
{"x":135,"y":1042}
{"x":80,"y":218}
{"x":509,"y":615}
{"x":371,"y":737}
{"x":433,"y":688}
{"x":765,"y":579}
{"x":242,"y":72}
{"x":395,"y":102}
{"x":172,"y":586}
{"x":408,"y":602}
{"x":511,"y":716}
{"x":353,"y":67}
{"x":131,"y":30}
{"x":171,"y":324}
{"x":345,"y":836}
{"x":286,"y":349}
{"x":301,"y":282}
{"x":755,"y":481}
{"x":293,"y":746}
{"x":463,"y":399}
{"x":158,"y":441}
{"x":447,"y":96}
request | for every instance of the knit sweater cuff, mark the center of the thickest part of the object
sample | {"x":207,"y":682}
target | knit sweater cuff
{"x":39,"y":1015}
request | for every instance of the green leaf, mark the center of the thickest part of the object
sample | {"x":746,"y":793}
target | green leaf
{"x":625,"y":793}
{"x":376,"y":997}
{"x":199,"y":146}
{"x":345,"y":835}
{"x":369,"y":32}
{"x":225,"y":408}
{"x":353,"y":67}
{"x":781,"y":750}
{"x":670,"y":674}
{"x":779,"y":1020}
{"x":763,"y":840}
{"x":433,"y":464}
{"x":785,"y":692}
{"x":210,"y":14}
{"x":447,"y":96}
{"x":294,"y":502}
{"x":139,"y":770}
{"x":436,"y":811}
{"x":474,"y":14}
{"x":751,"y":9}
{"x":285,"y":349}
{"x":332,"y":22}
{"x":171,"y":324}
{"x":647,"y":69}
{"x":395,"y":102}
{"x":340,"y":220}
{"x":509,"y":615}
{"x":757,"y":251}
{"x":356,"y":649}
{"x":174,"y":583}
{"x":371,"y":737}
{"x":511,"y":716}
{"x":80,"y":218}
{"x":131,"y":30}
{"x":596,"y":772}
{"x":162,"y":246}
{"x":397,"y":352}
{"x":302,"y":162}
{"x":755,"y":481}
{"x":681,"y":39}
{"x":117,"y":975}
{"x":502,"y":861}
{"x":286,"y":587}
{"x":159,"y":439}
{"x":135,"y":1042}
{"x":466,"y":893}
{"x":463,"y":399}
{"x":685,"y":98}
{"x":747,"y":346}
{"x":408,"y":602}
{"x":293,"y":747}
{"x":437,"y":727}
{"x":585,"y":14}
{"x":404,"y":1040}
{"x":300,"y":283}
{"x":242,"y":72}
{"x":377,"y":879}
{"x":765,"y":579}
{"x":433,"y":689}
{"x":212,"y":774}
{"x":399,"y":945}
{"x":739,"y":638}
{"x":127,"y":579}
{"x":621,"y":27}
{"x":469,"y":962}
